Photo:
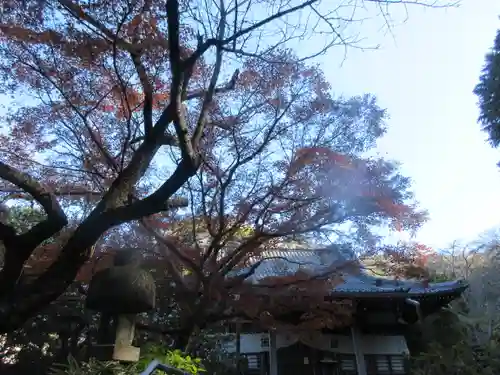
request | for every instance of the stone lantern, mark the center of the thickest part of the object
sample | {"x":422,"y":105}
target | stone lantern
{"x":119,"y":293}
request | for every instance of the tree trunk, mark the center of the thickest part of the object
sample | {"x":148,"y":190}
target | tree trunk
{"x":182,"y":338}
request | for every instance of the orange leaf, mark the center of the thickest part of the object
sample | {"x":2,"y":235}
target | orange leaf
{"x":136,"y":21}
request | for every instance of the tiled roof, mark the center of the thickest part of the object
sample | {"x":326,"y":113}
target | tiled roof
{"x":289,"y":261}
{"x":321,"y":262}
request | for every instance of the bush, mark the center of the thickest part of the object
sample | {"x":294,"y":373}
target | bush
{"x":174,"y":358}
{"x":459,"y":359}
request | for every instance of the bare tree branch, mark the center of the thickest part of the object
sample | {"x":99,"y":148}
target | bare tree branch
{"x":195,"y":94}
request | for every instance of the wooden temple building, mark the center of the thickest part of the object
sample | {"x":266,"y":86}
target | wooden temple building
{"x":373,"y":343}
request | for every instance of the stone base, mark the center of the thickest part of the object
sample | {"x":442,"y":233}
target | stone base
{"x":102,"y":352}
{"x":121,"y":349}
{"x":126,"y":353}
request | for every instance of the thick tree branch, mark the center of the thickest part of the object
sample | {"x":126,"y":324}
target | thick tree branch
{"x":165,"y":140}
{"x":122,"y":186}
{"x":109,"y":212}
{"x":147,"y":89}
{"x":56,"y":218}
{"x":52,"y":283}
{"x":17,"y":193}
{"x":178,"y":69}
{"x":170,"y":140}
{"x":18,"y":248}
{"x":173,"y":19}
{"x":158,"y":201}
{"x":209,"y":95}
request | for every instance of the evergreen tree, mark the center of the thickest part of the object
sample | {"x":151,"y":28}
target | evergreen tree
{"x":488,"y":92}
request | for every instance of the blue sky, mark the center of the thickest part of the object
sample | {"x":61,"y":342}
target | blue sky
{"x":424,"y":75}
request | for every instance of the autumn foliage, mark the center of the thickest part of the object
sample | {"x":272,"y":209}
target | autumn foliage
{"x":130,"y":120}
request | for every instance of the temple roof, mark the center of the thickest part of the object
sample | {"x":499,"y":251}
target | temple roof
{"x":324,"y":262}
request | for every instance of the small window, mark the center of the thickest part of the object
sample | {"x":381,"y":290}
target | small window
{"x":334,"y":343}
{"x":253,"y":361}
{"x":397,"y":364}
{"x":385,"y":364}
{"x":348,"y":364}
{"x":264,"y":341}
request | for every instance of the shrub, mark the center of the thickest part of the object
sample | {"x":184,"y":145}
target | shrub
{"x":174,"y":358}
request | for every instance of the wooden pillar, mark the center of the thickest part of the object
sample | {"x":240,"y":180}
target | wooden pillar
{"x":238,"y":347}
{"x":273,"y":354}
{"x":358,"y":350}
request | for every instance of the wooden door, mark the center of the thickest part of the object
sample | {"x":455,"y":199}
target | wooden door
{"x":329,"y":368}
{"x":296,"y":359}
